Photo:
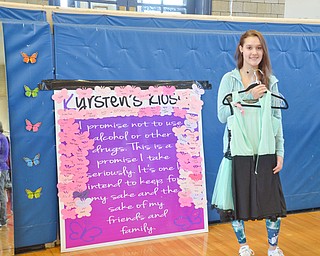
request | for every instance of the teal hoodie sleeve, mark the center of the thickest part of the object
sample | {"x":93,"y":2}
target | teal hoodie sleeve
{"x":277,"y":114}
{"x":226,"y":86}
{"x":228,"y":83}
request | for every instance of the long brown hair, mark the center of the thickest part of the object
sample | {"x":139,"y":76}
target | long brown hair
{"x":265,"y":64}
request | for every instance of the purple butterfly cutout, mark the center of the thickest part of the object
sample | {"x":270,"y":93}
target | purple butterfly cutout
{"x":80,"y":232}
{"x":186,"y":221}
{"x":82,"y":195}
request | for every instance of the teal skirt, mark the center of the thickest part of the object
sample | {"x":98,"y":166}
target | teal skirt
{"x":222,"y":198}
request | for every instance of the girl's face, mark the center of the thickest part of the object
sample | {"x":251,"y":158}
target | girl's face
{"x":252,"y":52}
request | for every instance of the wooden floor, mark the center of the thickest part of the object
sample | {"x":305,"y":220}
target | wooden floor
{"x":299,"y":237}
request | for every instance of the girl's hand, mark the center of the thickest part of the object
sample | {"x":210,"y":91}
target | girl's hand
{"x":258,"y":91}
{"x":279,"y":165}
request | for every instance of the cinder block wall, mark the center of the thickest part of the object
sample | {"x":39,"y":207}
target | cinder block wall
{"x":39,"y":2}
{"x":249,"y":8}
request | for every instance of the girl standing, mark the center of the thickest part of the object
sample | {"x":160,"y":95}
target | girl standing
{"x":253,"y":145}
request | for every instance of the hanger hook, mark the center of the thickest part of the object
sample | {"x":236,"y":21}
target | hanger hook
{"x":255,"y":74}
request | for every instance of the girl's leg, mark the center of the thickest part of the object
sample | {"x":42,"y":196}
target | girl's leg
{"x":3,"y":203}
{"x":238,"y":227}
{"x":273,"y":228}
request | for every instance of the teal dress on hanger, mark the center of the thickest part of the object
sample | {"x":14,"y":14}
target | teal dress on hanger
{"x":246,"y":187}
{"x":257,"y":192}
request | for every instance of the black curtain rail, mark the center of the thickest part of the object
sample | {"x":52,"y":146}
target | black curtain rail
{"x":53,"y":84}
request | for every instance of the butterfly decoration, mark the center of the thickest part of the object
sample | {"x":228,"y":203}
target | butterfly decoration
{"x":82,"y":195}
{"x":166,"y":110}
{"x":32,"y":127}
{"x":197,"y":89}
{"x":190,"y":125}
{"x":183,"y":138}
{"x":183,"y":158}
{"x":156,"y":90}
{"x":83,"y":203}
{"x":143,"y":94}
{"x":127,"y":90}
{"x":33,"y":194}
{"x":182,"y":147}
{"x":29,"y":59}
{"x":186,"y":221}
{"x":102,"y":90}
{"x":68,"y":214}
{"x":149,"y":111}
{"x":84,"y":92}
{"x":192,"y":117}
{"x":83,"y":211}
{"x":32,"y":162}
{"x":80,"y":232}
{"x":196,"y":176}
{"x":185,"y":198}
{"x":169,"y":90}
{"x":60,"y":95}
{"x":179,"y":130}
{"x":195,"y":105}
{"x":30,"y":92}
{"x":196,"y":161}
{"x":180,"y":112}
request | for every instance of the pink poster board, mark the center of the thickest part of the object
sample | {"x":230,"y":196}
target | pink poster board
{"x":130,"y":165}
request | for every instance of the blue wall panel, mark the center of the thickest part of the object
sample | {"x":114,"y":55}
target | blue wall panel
{"x":35,"y":220}
{"x":22,"y":15}
{"x":129,"y":48}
